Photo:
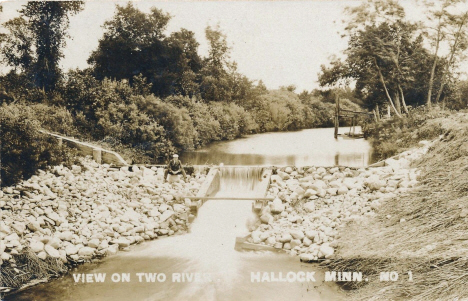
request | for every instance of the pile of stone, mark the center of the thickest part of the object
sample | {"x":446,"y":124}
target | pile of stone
{"x":91,"y":210}
{"x":310,"y":204}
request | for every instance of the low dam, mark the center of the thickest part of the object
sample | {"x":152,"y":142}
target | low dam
{"x":200,"y":265}
{"x":203,"y":264}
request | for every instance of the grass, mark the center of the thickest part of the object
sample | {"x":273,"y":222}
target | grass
{"x":432,"y":243}
{"x":29,"y":267}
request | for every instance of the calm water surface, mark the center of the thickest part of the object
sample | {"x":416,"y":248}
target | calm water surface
{"x":302,"y":148}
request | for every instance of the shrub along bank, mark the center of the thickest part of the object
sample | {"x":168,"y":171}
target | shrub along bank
{"x":142,"y":127}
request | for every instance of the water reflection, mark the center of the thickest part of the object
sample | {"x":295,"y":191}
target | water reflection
{"x":302,"y":148}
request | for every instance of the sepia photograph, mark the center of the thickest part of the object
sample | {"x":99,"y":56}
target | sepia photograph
{"x":234,"y":150}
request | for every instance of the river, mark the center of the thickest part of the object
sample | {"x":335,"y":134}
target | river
{"x":203,"y":264}
{"x":308,"y":147}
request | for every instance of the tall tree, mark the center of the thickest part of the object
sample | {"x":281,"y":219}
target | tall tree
{"x":17,"y":46}
{"x":446,"y":26}
{"x":48,"y":21}
{"x":184,"y":63}
{"x":133,"y":43}
{"x":216,"y":81}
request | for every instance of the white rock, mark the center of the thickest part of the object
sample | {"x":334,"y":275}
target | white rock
{"x":55,"y":242}
{"x":66,"y":235}
{"x":309,"y":206}
{"x":122,"y":242}
{"x":286,"y":237}
{"x":166,"y":215}
{"x":375,"y":183}
{"x":342,"y":190}
{"x":43,"y":255}
{"x":306,"y":257}
{"x":111,"y":250}
{"x":297,"y":234}
{"x":326,"y":250}
{"x":19,"y":227}
{"x":52,"y":251}
{"x":86,"y":251}
{"x":163,"y":208}
{"x":277,"y":206}
{"x":36,"y":246}
{"x":93,"y":243}
{"x":34,"y":226}
{"x":71,"y":250}
{"x":266,"y":218}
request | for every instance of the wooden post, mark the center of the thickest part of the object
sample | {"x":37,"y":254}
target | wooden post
{"x":337,"y":114}
{"x":97,"y":155}
{"x":352,"y":122}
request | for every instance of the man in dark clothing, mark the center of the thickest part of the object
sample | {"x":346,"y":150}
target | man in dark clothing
{"x":174,"y":167}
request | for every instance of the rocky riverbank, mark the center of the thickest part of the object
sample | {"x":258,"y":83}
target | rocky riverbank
{"x":311,"y":204}
{"x":74,"y":215}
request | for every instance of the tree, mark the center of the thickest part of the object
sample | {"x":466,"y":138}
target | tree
{"x":17,"y":46}
{"x":48,"y":23}
{"x":133,"y":43}
{"x":215,"y":74}
{"x":185,"y":63}
{"x":381,"y":54}
{"x":447,"y":24}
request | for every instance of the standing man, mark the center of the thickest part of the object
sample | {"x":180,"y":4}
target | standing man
{"x":174,"y":167}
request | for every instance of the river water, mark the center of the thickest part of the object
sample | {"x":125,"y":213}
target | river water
{"x":203,"y":264}
{"x":301,"y":148}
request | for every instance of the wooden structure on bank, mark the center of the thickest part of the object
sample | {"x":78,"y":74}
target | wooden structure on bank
{"x":344,"y":113}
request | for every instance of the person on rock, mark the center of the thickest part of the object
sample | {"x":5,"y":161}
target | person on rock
{"x":174,"y":167}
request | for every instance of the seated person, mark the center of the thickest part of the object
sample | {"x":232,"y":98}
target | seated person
{"x":174,"y":167}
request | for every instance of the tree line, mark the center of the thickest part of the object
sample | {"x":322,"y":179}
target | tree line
{"x":147,"y":93}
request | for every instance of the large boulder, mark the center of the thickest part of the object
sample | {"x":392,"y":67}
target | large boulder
{"x":71,"y":250}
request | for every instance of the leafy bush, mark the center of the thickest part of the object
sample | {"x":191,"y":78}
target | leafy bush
{"x":24,"y":149}
{"x":176,"y":121}
{"x":55,"y":119}
{"x":234,"y":121}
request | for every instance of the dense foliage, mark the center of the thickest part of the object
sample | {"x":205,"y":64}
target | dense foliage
{"x":24,"y":148}
{"x":147,"y":92}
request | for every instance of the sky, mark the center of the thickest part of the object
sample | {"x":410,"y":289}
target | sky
{"x":279,"y":42}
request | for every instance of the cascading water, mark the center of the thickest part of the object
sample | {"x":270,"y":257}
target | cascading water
{"x":209,"y":246}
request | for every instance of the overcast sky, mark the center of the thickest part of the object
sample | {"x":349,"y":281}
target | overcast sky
{"x":281,"y":43}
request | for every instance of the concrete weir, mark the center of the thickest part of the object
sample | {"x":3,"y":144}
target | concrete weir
{"x":251,"y":184}
{"x":235,"y":183}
